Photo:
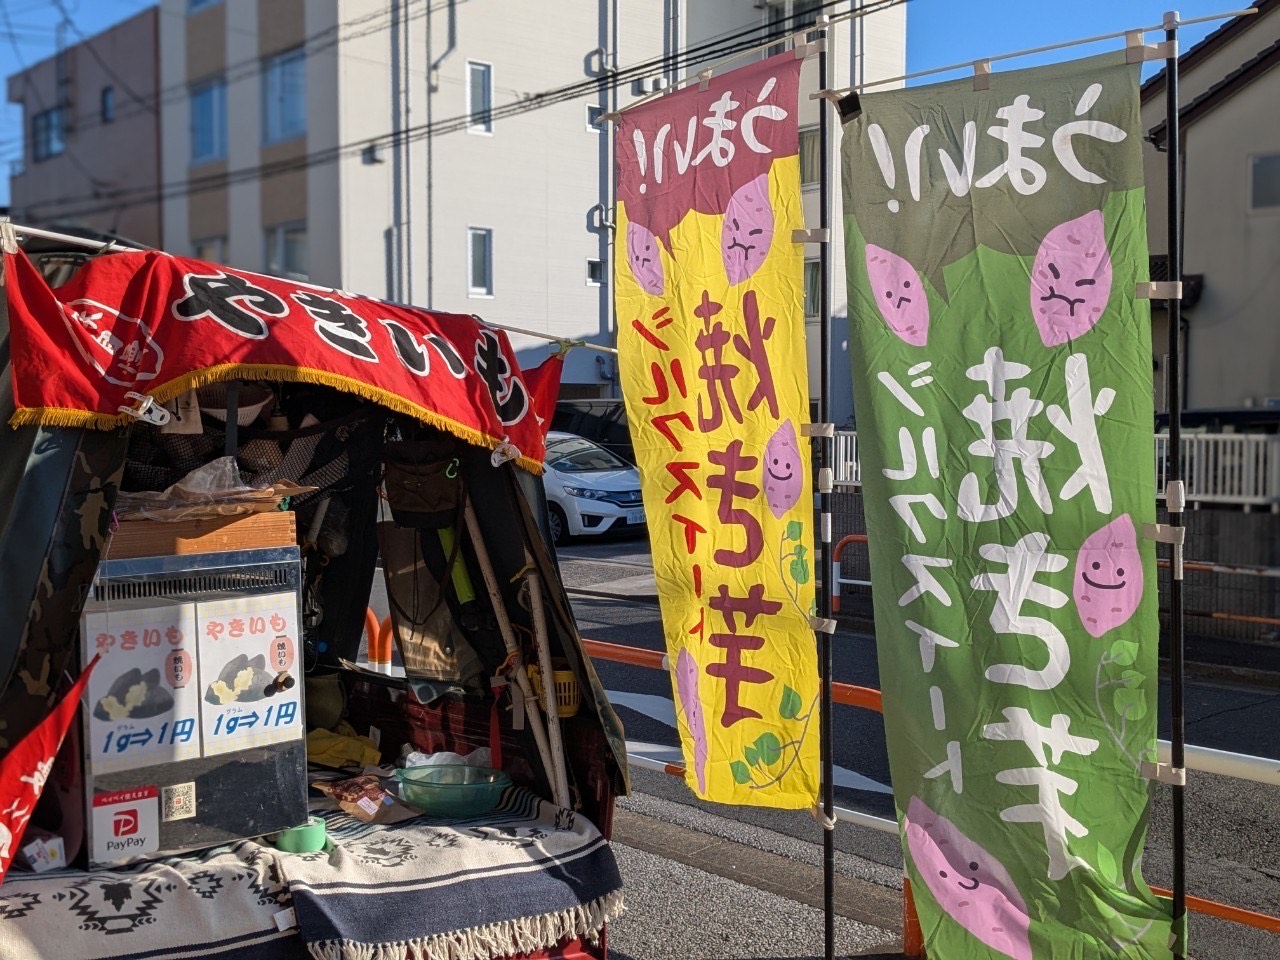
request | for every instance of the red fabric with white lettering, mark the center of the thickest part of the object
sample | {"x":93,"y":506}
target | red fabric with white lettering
{"x":26,"y":767}
{"x":158,"y":325}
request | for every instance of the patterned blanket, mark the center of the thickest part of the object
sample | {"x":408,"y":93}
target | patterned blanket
{"x":519,"y":879}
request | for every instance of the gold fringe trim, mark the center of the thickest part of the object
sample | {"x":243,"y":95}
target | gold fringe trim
{"x":88,"y":419}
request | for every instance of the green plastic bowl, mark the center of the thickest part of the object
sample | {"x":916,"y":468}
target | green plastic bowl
{"x":452,"y":790}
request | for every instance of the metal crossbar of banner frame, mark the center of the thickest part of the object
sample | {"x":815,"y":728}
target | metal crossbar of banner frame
{"x":984,"y":62}
{"x":112,"y":246}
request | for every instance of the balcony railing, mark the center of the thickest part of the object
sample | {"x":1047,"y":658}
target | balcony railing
{"x":1237,"y":468}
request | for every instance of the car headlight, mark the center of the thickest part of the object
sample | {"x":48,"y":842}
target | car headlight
{"x":586,"y":493}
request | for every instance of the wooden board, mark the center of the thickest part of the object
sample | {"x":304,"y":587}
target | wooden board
{"x":166,"y":538}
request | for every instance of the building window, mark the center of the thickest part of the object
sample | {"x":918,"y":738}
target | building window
{"x":594,"y":113}
{"x":812,"y":287}
{"x":284,"y":96}
{"x":209,"y":122}
{"x":286,"y":246}
{"x":1265,"y":180}
{"x":595,"y":273}
{"x":480,"y":261}
{"x":47,"y":134}
{"x":210,"y":249}
{"x":480,"y":97}
{"x":107,"y":104}
{"x":790,"y":16}
{"x":194,"y":5}
{"x":810,"y":158}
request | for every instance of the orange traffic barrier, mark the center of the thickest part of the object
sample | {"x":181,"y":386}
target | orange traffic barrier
{"x":912,"y":935}
{"x":370,"y":626}
{"x":1225,"y":911}
{"x":633,"y":656}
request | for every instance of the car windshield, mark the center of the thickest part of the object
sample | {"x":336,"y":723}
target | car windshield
{"x":577,"y":455}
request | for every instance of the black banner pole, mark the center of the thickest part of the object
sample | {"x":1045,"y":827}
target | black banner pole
{"x":824,"y":500}
{"x":1174,"y":496}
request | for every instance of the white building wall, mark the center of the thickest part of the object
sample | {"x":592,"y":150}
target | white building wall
{"x":324,"y":111}
{"x":175,"y":122}
{"x":245,"y":243}
{"x":397,"y":227}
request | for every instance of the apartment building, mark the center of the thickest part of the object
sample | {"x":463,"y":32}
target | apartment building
{"x":92,"y":134}
{"x":410,"y":150}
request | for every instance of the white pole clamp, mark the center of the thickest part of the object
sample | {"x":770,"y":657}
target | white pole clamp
{"x":810,"y":236}
{"x":1165,"y":773}
{"x":1164,"y":533}
{"x":145,"y":409}
{"x":818,"y":430}
{"x":1159,"y":290}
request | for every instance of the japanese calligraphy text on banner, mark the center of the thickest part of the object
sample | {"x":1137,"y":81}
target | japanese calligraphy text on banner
{"x":712,"y":354}
{"x":1002,"y":375}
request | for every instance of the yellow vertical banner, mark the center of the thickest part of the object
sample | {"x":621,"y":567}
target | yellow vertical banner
{"x":710,"y":304}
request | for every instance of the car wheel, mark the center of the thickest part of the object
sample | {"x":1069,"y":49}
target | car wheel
{"x":558,"y":524}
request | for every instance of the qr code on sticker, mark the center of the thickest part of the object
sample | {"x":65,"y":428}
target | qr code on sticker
{"x":178,"y":801}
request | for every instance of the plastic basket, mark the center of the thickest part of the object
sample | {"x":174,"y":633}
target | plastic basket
{"x":567,"y":695}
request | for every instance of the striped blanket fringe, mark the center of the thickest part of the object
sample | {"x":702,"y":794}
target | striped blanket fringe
{"x":487,"y":942}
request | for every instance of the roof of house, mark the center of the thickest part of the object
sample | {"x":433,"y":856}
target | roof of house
{"x":1235,"y":81}
{"x":1229,"y":31}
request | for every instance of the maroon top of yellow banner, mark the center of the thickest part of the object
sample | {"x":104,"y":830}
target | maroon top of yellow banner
{"x":695,"y":148}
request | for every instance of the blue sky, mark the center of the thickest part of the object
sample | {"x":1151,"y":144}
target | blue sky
{"x":939,"y":32}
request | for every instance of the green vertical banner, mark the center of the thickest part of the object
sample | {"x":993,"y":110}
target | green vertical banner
{"x":1002,"y":376}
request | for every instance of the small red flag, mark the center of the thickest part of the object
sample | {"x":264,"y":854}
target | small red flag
{"x":543,"y":382}
{"x":25,"y":769}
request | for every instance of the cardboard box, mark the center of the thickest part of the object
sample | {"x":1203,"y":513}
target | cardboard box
{"x":168,"y":538}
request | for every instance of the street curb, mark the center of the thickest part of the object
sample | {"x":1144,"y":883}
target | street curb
{"x":856,"y":899}
{"x":611,"y":595}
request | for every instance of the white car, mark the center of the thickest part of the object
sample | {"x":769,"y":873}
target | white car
{"x":589,"y":490}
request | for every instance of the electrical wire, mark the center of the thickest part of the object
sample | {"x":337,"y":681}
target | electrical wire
{"x":707,"y":51}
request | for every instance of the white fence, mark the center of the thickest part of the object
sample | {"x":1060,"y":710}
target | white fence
{"x":1238,"y":468}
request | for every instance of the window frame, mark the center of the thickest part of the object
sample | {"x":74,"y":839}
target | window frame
{"x":107,"y":104}
{"x":274,"y":236}
{"x":474,"y":292}
{"x":274,"y":66}
{"x":217,"y":85}
{"x":816,"y":263}
{"x":595,"y":283}
{"x":485,"y":127}
{"x":48,"y":130}
{"x":594,"y":127}
{"x":787,"y":10}
{"x":802,"y":133}
{"x":1253,"y":208}
{"x":195,"y":6}
{"x":221,"y":243}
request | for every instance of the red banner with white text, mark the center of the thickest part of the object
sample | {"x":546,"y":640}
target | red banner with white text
{"x":158,"y":325}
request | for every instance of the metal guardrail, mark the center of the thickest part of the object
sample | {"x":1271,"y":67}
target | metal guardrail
{"x":1236,"y":765}
{"x":1236,"y":468}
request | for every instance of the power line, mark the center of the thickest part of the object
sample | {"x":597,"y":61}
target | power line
{"x":728,"y":44}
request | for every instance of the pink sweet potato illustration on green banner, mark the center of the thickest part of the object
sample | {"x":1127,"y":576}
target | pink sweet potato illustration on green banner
{"x":899,"y":295}
{"x":1071,"y":279}
{"x":687,"y":688}
{"x":748,"y":229}
{"x":1108,"y":577}
{"x":973,"y":887}
{"x":783,"y":475}
{"x":644,"y":258}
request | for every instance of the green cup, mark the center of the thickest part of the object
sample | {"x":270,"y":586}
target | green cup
{"x":308,"y":837}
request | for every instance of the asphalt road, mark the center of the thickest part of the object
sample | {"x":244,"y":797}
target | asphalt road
{"x":1233,"y":827}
